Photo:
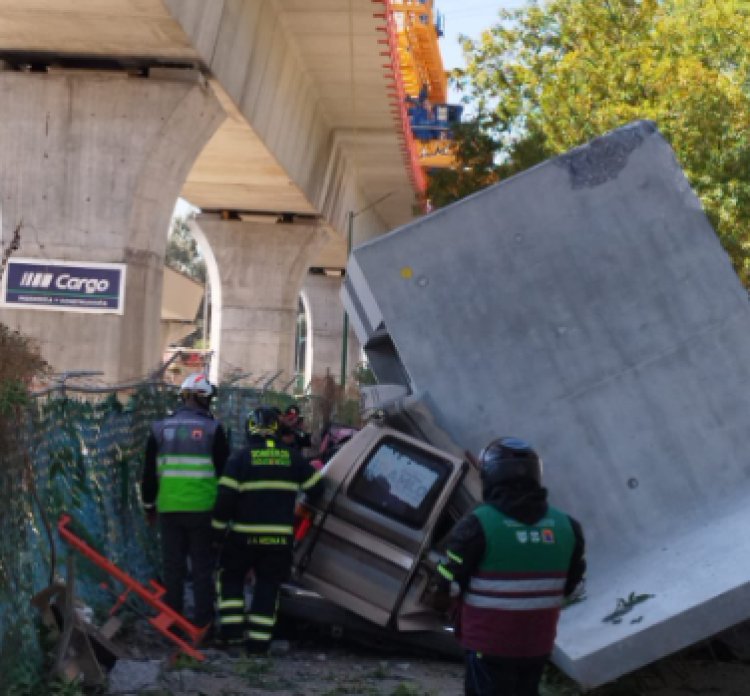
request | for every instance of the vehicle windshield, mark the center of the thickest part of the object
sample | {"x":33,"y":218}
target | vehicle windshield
{"x":400,"y":481}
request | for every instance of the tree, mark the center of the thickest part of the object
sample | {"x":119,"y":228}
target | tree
{"x":182,"y":254}
{"x":475,"y":151}
{"x":557,"y":75}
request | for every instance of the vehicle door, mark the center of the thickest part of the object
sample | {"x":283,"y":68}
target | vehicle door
{"x":371,"y":534}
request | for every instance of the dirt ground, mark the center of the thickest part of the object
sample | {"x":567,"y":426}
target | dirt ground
{"x":324,"y":670}
{"x":300,"y":672}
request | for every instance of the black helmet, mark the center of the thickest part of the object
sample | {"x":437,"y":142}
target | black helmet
{"x":263,"y":420}
{"x":508,"y":459}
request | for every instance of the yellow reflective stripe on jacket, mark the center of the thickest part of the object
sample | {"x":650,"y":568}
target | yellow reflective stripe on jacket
{"x":445,"y":572}
{"x":257,"y":635}
{"x":229,"y":482}
{"x":455,"y":558}
{"x":262,"y":620}
{"x":312,"y":481}
{"x":218,"y":524}
{"x":269,"y":486}
{"x":262,"y":528}
{"x":232,"y":604}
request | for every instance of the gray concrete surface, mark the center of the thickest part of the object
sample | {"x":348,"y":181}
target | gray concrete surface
{"x":325,"y":316}
{"x":256,"y":272}
{"x":90,"y":167}
{"x":309,"y":80}
{"x":587,"y":306}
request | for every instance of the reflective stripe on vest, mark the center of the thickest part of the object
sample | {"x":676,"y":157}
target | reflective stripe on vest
{"x":185,"y":466}
{"x":514,"y":597}
{"x":186,"y":483}
{"x":187,"y":479}
{"x":513,"y":603}
{"x":515,"y":594}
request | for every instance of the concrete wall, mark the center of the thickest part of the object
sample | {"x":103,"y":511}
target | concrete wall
{"x":257,"y":274}
{"x":90,"y":167}
{"x":325,"y":329}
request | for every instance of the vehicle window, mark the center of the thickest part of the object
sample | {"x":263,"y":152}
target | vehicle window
{"x":400,"y":481}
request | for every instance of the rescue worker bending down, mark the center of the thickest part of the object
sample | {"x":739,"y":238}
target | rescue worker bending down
{"x":511,"y":561}
{"x":185,"y":456}
{"x":253,"y":519}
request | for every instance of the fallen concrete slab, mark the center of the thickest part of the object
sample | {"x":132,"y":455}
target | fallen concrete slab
{"x":587,"y":306}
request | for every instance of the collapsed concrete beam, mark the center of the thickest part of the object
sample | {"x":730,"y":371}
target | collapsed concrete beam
{"x":587,"y":306}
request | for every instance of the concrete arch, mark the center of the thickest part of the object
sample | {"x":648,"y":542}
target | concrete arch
{"x":309,"y":339}
{"x":215,"y":294}
{"x":325,"y":329}
{"x":256,"y":271}
{"x":91,"y":165}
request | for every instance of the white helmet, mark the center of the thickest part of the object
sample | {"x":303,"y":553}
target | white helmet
{"x":198,"y":385}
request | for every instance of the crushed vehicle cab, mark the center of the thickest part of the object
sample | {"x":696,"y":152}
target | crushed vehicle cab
{"x":371,"y":542}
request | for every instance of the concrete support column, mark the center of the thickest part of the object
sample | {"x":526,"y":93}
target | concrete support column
{"x":325,"y":329}
{"x":91,"y":165}
{"x":260,"y":268}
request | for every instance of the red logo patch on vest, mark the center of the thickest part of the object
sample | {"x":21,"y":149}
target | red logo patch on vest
{"x":197,"y":434}
{"x":548,"y":536}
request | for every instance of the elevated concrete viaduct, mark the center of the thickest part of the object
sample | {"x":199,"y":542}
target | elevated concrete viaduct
{"x":275,"y":117}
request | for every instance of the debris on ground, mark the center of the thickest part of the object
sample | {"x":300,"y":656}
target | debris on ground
{"x":298,"y":672}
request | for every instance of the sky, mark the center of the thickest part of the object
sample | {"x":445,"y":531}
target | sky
{"x":468,"y":17}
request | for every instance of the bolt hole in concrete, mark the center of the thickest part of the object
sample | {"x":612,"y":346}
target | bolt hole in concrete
{"x":632,"y":483}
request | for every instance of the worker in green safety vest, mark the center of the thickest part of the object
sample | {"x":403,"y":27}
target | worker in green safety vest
{"x":510,"y":564}
{"x":185,"y":456}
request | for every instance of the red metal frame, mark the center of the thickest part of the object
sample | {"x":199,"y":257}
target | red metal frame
{"x":165,"y":620}
{"x":414,"y":168}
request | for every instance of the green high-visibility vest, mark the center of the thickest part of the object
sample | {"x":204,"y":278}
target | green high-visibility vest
{"x":511,"y":546}
{"x":187,"y":478}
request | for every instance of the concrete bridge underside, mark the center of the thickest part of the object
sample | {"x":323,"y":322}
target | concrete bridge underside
{"x":260,"y":110}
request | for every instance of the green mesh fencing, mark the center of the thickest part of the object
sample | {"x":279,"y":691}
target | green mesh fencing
{"x":83,"y":458}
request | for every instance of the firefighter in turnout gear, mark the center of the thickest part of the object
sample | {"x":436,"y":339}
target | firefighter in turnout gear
{"x":511,"y":563}
{"x":185,"y":456}
{"x":253,"y":520}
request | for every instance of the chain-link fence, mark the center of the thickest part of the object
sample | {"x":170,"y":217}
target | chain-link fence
{"x":83,"y":455}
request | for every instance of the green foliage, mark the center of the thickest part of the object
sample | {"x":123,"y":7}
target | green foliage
{"x":28,"y":683}
{"x":555,"y":683}
{"x":348,"y":413}
{"x":363,"y":374}
{"x":20,"y":670}
{"x":624,"y":605}
{"x":20,"y":364}
{"x":182,"y":254}
{"x":475,"y":152}
{"x":185,"y":662}
{"x":406,"y":689}
{"x":13,"y":394}
{"x":549,"y":77}
{"x":255,"y":671}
